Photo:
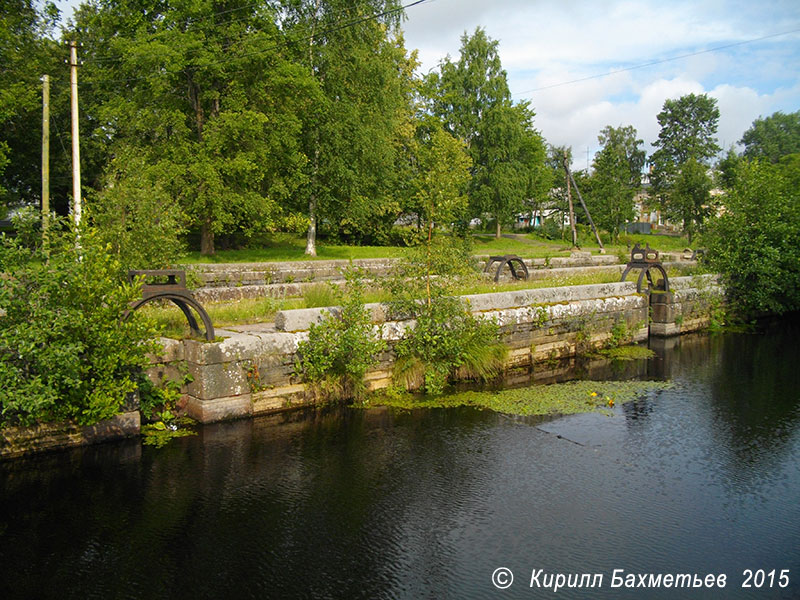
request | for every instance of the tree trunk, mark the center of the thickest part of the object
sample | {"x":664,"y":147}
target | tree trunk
{"x":206,"y":238}
{"x":497,"y":232}
{"x":311,"y":235}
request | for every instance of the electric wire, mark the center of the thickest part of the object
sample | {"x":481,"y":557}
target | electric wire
{"x":653,"y":63}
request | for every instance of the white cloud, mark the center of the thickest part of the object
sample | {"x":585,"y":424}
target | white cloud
{"x":544,"y":44}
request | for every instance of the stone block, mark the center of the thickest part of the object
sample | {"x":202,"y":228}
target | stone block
{"x":219,"y":409}
{"x":218,"y":380}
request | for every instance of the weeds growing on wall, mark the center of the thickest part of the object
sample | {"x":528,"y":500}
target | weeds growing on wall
{"x":340,"y":350}
{"x":446,"y":340}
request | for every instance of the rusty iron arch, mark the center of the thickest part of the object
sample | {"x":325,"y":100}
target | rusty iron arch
{"x":519,"y":272}
{"x":174,"y":290}
{"x":646,"y":259}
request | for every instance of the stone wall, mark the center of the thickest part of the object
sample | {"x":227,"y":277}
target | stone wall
{"x":233,"y":282}
{"x":252,"y":370}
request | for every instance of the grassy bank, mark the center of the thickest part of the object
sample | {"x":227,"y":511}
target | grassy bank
{"x":287,"y":247}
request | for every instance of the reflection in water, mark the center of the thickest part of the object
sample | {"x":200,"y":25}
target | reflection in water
{"x":347,"y":503}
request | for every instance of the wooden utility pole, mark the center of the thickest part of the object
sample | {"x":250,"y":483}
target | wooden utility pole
{"x":571,"y":210}
{"x":76,"y":152}
{"x":570,"y":179}
{"x":45,"y":156}
{"x":586,"y":210}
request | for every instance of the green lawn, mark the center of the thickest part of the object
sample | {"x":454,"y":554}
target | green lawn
{"x":287,"y":247}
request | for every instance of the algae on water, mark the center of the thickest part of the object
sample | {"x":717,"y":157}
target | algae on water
{"x":558,"y":398}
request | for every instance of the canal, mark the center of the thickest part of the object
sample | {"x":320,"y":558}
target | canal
{"x":702,"y":478}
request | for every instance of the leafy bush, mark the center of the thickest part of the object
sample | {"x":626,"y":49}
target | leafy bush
{"x":755,"y":244}
{"x":65,"y":353}
{"x":340,"y":350}
{"x":446,"y":339}
{"x":550,"y":230}
{"x":140,"y":222}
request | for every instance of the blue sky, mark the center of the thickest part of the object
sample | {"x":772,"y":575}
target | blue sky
{"x":545,"y":46}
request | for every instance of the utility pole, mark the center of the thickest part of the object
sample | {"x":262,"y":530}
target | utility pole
{"x":76,"y":152}
{"x":583,"y":204}
{"x":571,"y":210}
{"x":45,"y":156}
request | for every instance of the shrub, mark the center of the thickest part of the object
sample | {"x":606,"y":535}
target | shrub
{"x":340,"y":350}
{"x":447,"y":339}
{"x":755,"y":244}
{"x":65,"y":353}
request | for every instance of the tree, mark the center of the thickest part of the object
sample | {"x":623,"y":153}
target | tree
{"x":688,"y":130}
{"x":755,"y":244}
{"x":690,"y":201}
{"x":617,"y":177}
{"x":27,"y":54}
{"x":773,"y":137}
{"x":361,"y":97}
{"x":209,"y":103}
{"x":472,"y":99}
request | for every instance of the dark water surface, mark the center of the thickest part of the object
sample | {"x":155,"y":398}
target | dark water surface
{"x":702,"y":478}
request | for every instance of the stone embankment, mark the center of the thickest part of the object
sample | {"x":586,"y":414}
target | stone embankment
{"x":231,"y":282}
{"x":252,"y":370}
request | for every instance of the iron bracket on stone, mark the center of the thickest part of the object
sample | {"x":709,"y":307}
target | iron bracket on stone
{"x":646,"y":259}
{"x":510,"y":260}
{"x":174,"y":289}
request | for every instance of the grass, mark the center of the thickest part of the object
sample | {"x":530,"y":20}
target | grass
{"x":280,"y":247}
{"x":555,"y":399}
{"x":263,"y":310}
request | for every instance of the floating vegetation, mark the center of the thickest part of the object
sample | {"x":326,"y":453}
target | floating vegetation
{"x":555,"y":399}
{"x":626,"y":353}
{"x":160,"y":433}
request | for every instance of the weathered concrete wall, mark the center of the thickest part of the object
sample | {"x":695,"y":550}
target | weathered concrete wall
{"x":252,"y":370}
{"x":22,"y":441}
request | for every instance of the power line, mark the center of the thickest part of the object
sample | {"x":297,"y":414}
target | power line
{"x":655,"y":62}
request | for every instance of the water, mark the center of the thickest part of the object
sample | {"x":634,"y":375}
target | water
{"x":702,"y":478}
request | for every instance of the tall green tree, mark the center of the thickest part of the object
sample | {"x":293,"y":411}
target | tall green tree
{"x":617,"y":177}
{"x":773,"y":137}
{"x":355,"y":57}
{"x":472,"y":99}
{"x":688,"y":135}
{"x":203,"y":92}
{"x":26,"y":53}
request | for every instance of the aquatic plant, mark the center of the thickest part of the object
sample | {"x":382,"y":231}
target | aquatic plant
{"x":558,"y":398}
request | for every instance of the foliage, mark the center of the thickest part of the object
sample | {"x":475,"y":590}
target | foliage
{"x":26,"y":54}
{"x":361,"y":94}
{"x":690,"y":199}
{"x":755,"y":243}
{"x":771,"y":138}
{"x":209,"y":109}
{"x":616,"y":179}
{"x":158,"y":405}
{"x":139,"y":220}
{"x":555,"y":399}
{"x":340,"y":350}
{"x":446,"y":337}
{"x":65,"y":352}
{"x":686,"y":143}
{"x":472,"y":99}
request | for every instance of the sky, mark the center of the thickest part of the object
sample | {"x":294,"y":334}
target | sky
{"x":583,"y":64}
{"x":548,"y":47}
